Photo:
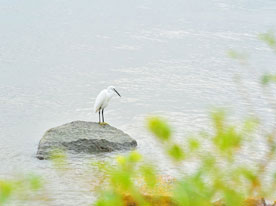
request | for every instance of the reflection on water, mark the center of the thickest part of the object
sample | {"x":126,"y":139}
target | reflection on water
{"x":165,"y":58}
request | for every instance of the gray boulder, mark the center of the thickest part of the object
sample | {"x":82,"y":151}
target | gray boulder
{"x":86,"y":137}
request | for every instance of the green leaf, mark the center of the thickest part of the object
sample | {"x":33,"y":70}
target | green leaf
{"x":237,"y":55}
{"x":232,"y":197}
{"x":192,"y":191}
{"x":149,"y":175}
{"x":159,"y":128}
{"x":269,"y":39}
{"x":268,"y":78}
{"x":35,"y":182}
{"x":176,"y":152}
{"x":193,"y":144}
{"x":108,"y":199}
{"x":134,"y":156}
{"x":6,"y":190}
{"x":250,"y":125}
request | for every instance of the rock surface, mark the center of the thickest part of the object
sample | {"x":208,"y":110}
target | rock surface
{"x":86,"y":137}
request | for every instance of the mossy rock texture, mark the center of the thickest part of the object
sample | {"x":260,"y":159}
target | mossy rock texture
{"x":84,"y":137}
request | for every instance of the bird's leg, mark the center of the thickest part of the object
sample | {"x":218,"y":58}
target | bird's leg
{"x":103,"y":115}
{"x":99,"y":116}
{"x":103,"y":123}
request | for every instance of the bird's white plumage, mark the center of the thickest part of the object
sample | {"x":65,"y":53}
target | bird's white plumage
{"x":104,"y":97}
{"x":100,"y":99}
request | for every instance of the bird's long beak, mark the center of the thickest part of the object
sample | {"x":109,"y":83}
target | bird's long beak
{"x":117,"y":92}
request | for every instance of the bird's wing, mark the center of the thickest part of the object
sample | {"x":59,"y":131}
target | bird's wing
{"x":99,"y":100}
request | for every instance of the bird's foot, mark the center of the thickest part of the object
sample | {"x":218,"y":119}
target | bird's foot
{"x":103,"y":123}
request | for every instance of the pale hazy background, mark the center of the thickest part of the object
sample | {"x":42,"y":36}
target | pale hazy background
{"x":164,"y":57}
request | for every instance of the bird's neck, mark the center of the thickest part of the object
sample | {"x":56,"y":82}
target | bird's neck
{"x":110,"y":94}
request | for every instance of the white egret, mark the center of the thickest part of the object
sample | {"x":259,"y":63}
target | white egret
{"x":103,"y":99}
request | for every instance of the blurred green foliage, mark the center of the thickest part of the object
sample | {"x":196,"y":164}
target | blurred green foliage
{"x":268,"y":78}
{"x":20,"y":189}
{"x":220,"y":177}
{"x":269,"y":39}
{"x":160,"y":128}
{"x":237,"y":55}
{"x":59,"y":159}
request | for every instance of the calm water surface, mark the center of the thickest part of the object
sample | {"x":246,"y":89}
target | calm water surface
{"x":164,"y":57}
